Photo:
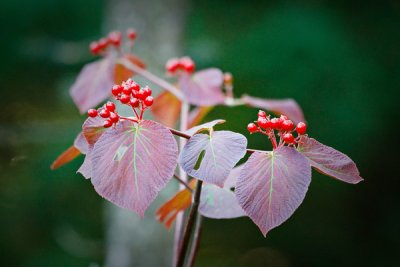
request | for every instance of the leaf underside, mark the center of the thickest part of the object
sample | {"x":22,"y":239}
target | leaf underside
{"x":272,"y":185}
{"x":223,"y":149}
{"x":329,"y":161}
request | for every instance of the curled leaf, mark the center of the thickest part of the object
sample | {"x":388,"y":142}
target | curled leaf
{"x":202,"y":127}
{"x":166,"y":108}
{"x":204,"y":88}
{"x":93,"y":84}
{"x":272,"y":186}
{"x":222,"y":150}
{"x":329,"y":161}
{"x":132,"y":163}
{"x":288,"y":107}
{"x":167,"y":213}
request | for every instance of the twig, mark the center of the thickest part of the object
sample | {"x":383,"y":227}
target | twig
{"x":196,"y":240}
{"x":189,"y":225}
{"x":185,"y":184}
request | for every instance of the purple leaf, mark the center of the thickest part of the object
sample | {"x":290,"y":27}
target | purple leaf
{"x":210,"y":158}
{"x":329,"y":161}
{"x":92,"y":129}
{"x":205,"y":126}
{"x":93,"y":84}
{"x":86,"y":168}
{"x":287,"y":107}
{"x":81,"y":144}
{"x":132,"y":163}
{"x":221,"y":203}
{"x":272,"y":185}
{"x":204,"y":88}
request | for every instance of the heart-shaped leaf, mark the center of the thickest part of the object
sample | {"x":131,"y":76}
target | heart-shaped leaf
{"x":132,"y":163}
{"x":166,"y":108}
{"x":204,"y":88}
{"x":329,"y":161}
{"x":121,"y":73}
{"x":287,"y":107}
{"x":211,"y":157}
{"x":93,"y":84}
{"x":202,"y":127}
{"x":221,"y":203}
{"x":272,"y":185}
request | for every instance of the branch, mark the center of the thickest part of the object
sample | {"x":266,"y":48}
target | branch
{"x":189,"y":225}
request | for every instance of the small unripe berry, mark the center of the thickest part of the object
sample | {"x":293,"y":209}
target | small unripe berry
{"x":147,"y":91}
{"x":104,"y":113}
{"x":262,"y":114}
{"x":92,"y":113}
{"x":125,"y":98}
{"x":287,"y":125}
{"x":131,"y":34}
{"x":187,"y":64}
{"x":134,"y":102}
{"x":149,"y":101}
{"x":114,"y":117}
{"x":116,"y":90}
{"x":288,"y":138}
{"x":262,"y":122}
{"x":275,"y":123}
{"x":252,"y":127}
{"x":172,"y":65}
{"x":94,"y":48}
{"x":301,"y":128}
{"x":107,"y":124}
{"x":110,"y":106}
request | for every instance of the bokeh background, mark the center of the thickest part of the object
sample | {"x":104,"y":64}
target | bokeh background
{"x":339,"y":59}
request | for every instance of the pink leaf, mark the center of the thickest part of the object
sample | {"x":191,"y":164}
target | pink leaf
{"x":81,"y":144}
{"x":204,"y":88}
{"x":221,"y":203}
{"x":272,"y":185}
{"x":287,"y":107}
{"x":92,"y":129}
{"x":132,"y":163}
{"x":202,"y":127}
{"x":329,"y":161}
{"x":93,"y":84}
{"x":210,"y":158}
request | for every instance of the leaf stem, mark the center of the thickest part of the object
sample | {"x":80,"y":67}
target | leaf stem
{"x":185,"y":184}
{"x":189,"y":225}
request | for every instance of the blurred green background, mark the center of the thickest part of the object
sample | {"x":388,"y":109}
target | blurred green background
{"x":339,"y":59}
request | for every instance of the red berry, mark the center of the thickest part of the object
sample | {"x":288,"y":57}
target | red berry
{"x":275,"y":123}
{"x":94,"y":48}
{"x":288,"y":138}
{"x":126,"y":90}
{"x":110,"y":106}
{"x":131,"y":34}
{"x":134,"y":102}
{"x":301,"y":128}
{"x":140,"y":94}
{"x":92,"y":113}
{"x":135,"y":86}
{"x":125,"y":98}
{"x":283,"y":118}
{"x":147,"y":91}
{"x":103,"y":43}
{"x":287,"y":125}
{"x":172,"y":65}
{"x":262,"y":122}
{"x":107,"y":124}
{"x":187,"y":64}
{"x":115,"y":38}
{"x":116,"y":89}
{"x":252,"y":127}
{"x":104,"y":113}
{"x":262,"y":114}
{"x":149,"y":101}
{"x":114,"y":117}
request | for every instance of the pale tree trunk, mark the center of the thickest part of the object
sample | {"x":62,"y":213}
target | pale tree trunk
{"x":131,"y":241}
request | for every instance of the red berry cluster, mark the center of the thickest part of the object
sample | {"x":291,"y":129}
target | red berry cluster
{"x":284,"y":127}
{"x":185,"y":64}
{"x":128,"y":93}
{"x":112,"y":39}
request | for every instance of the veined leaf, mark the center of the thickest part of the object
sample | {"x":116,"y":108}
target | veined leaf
{"x":288,"y":107}
{"x":203,"y":88}
{"x":223,"y":149}
{"x":272,"y":185}
{"x":92,"y":129}
{"x":329,"y":161}
{"x":93,"y":84}
{"x":132,"y":163}
{"x":166,"y":108}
